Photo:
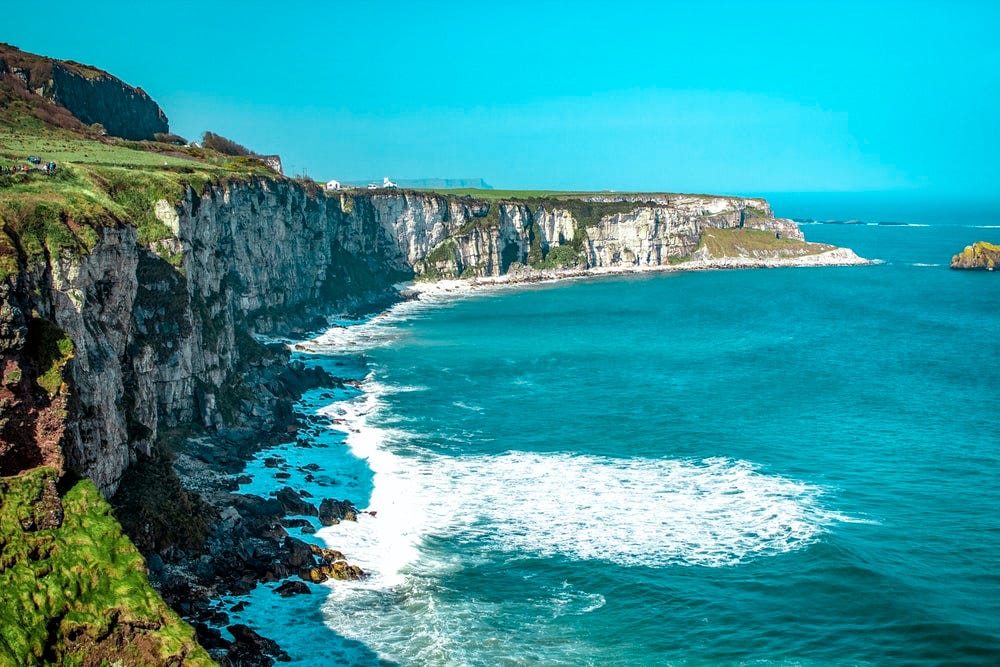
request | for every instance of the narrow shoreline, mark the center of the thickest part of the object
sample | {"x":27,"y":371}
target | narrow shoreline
{"x":828,"y":258}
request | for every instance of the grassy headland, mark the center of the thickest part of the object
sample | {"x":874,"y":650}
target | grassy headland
{"x":100,"y":181}
{"x":755,"y":242}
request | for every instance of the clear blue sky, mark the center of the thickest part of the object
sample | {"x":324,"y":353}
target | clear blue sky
{"x":705,"y":96}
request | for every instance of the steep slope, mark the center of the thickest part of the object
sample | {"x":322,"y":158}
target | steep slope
{"x":161,"y":343}
{"x":89,"y":94}
{"x":74,"y":589}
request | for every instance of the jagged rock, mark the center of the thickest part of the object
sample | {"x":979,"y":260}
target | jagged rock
{"x":209,"y":637}
{"x":301,"y":524}
{"x":332,"y":512}
{"x":300,"y":555}
{"x":252,"y":650}
{"x":338,"y":570}
{"x":328,"y":555}
{"x":292,"y":503}
{"x":256,"y":509}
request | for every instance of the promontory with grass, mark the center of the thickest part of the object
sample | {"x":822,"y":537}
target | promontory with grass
{"x":141,"y":278}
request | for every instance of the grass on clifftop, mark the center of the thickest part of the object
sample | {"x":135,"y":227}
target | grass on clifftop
{"x":100,"y":183}
{"x":78,"y":593}
{"x":528,"y":195}
{"x":756,"y":243}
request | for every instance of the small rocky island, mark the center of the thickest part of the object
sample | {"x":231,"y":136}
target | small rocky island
{"x":980,"y":256}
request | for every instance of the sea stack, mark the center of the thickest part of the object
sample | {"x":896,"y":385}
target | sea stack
{"x":980,"y":256}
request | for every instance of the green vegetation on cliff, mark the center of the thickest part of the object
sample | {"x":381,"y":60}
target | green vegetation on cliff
{"x":73,"y":589}
{"x":51,"y":350}
{"x":100,"y":183}
{"x":755,"y":242}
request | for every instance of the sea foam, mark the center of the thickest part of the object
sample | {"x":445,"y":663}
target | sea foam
{"x":432,"y":516}
{"x":630,"y":512}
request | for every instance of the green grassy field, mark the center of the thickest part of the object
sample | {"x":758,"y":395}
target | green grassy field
{"x":503,"y":195}
{"x":524,"y":195}
{"x":64,"y":147}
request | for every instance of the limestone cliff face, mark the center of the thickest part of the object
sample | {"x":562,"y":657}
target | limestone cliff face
{"x":156,"y":346}
{"x":475,"y":239}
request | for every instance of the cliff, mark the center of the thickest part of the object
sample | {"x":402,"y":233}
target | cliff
{"x":124,"y":327}
{"x":158,"y":345}
{"x":980,"y":256}
{"x":463,"y":237}
{"x":89,"y":94}
{"x":134,"y":284}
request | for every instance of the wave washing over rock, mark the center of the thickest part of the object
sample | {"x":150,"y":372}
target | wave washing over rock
{"x":624,"y":512}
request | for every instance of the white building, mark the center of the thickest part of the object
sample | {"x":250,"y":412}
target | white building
{"x":333,"y":185}
{"x":386,"y":183}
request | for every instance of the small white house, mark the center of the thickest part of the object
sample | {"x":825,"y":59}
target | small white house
{"x":386,"y":183}
{"x":333,"y":185}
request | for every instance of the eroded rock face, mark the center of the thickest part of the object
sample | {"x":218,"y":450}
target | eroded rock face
{"x":123,"y":110}
{"x":638,"y":231}
{"x":157,"y":346}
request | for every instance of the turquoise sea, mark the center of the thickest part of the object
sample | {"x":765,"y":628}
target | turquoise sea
{"x":786,"y":466}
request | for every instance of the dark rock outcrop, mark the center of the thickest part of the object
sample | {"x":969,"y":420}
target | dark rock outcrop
{"x":89,"y":94}
{"x":292,"y":587}
{"x":123,"y":111}
{"x":292,"y":503}
{"x":252,"y":650}
{"x":332,"y":512}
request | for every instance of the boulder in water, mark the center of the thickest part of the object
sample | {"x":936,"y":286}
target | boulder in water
{"x":980,"y":256}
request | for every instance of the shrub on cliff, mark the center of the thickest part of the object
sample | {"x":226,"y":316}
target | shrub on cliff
{"x":225,"y":146}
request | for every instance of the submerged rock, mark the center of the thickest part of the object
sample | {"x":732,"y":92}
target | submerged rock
{"x":291,"y":587}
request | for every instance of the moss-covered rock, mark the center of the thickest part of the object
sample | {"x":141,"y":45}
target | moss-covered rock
{"x":73,"y":589}
{"x":980,"y":256}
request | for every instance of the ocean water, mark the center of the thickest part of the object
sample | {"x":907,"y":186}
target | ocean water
{"x":786,"y":466}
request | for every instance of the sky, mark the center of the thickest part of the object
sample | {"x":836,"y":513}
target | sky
{"x":720,"y":97}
